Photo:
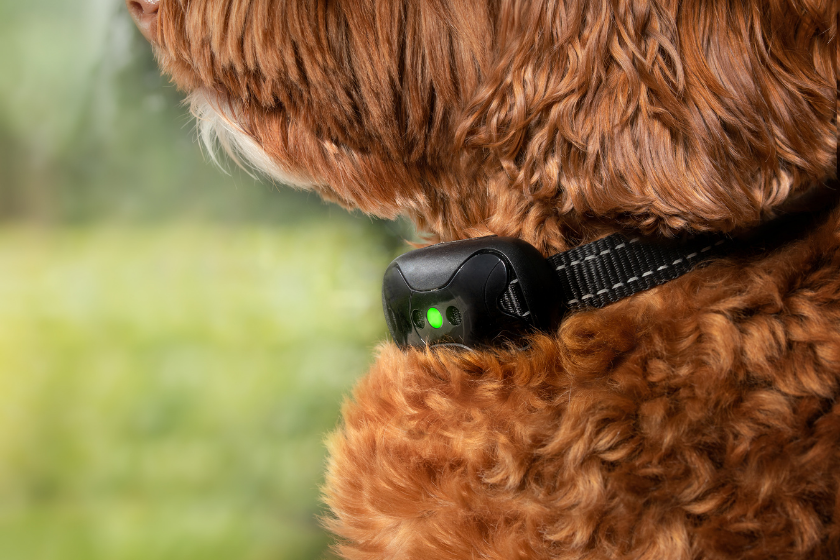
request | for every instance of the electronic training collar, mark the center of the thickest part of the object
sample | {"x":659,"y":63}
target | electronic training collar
{"x":481,"y":292}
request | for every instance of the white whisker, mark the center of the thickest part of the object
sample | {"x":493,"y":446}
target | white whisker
{"x":218,"y":127}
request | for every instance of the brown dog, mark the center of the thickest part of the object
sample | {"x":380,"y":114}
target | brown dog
{"x":696,"y":420}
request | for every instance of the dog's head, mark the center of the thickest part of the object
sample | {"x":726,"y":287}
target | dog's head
{"x":554,"y":121}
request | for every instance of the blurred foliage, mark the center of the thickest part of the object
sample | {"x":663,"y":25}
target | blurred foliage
{"x":169,"y":401}
{"x":174,"y":341}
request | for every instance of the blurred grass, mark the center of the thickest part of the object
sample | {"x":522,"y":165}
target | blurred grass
{"x":164,"y":391}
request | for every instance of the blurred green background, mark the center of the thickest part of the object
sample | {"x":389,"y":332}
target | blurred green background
{"x":174,"y":341}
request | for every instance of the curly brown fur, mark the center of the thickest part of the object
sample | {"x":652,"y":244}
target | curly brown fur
{"x":529,"y":118}
{"x":699,"y":420}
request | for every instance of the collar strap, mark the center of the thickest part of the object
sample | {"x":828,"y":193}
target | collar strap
{"x":615,"y":267}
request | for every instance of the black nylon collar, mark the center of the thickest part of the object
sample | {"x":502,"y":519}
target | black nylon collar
{"x":615,"y":267}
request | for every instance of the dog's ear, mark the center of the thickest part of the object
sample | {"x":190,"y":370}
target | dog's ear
{"x":668,"y":115}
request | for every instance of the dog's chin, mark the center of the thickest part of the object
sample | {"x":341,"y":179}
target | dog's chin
{"x":219,"y":128}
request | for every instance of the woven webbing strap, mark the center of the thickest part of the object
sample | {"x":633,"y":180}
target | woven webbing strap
{"x":615,"y":267}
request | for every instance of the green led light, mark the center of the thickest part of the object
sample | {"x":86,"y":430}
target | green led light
{"x":434,"y":317}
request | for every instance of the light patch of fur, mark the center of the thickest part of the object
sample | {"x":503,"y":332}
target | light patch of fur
{"x":218,"y":127}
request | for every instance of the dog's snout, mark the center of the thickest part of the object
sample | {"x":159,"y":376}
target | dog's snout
{"x":145,"y":15}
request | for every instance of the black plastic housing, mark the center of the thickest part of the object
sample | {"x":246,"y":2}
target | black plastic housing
{"x":487,"y":290}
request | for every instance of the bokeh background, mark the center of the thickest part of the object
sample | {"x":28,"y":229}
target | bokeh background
{"x":175,"y":342}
